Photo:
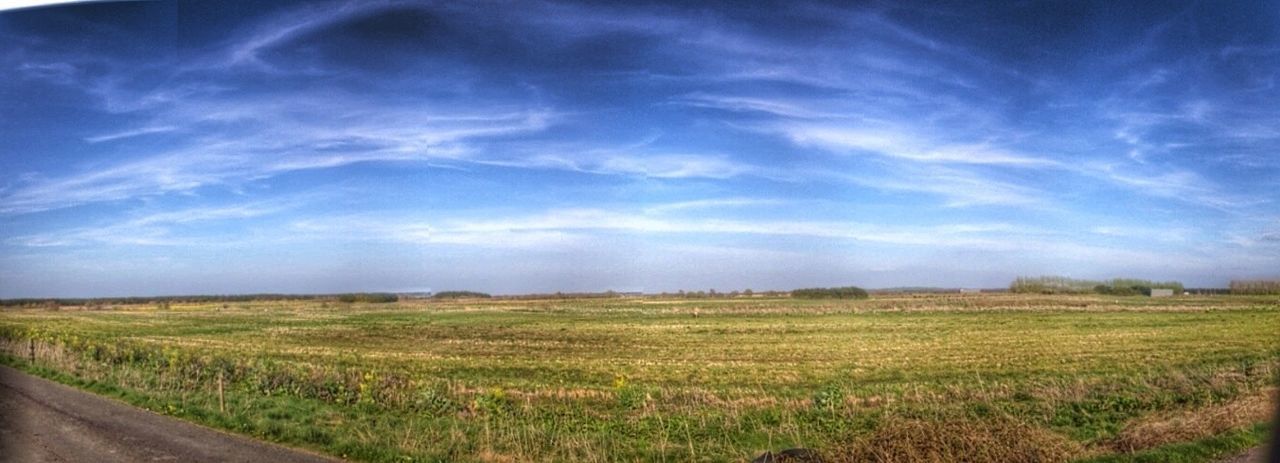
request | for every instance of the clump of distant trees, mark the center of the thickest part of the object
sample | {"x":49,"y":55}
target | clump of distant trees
{"x":460,"y":295}
{"x":1114,"y":287}
{"x":1255,"y":286}
{"x":371,"y":298}
{"x":846,"y":292}
{"x":1052,"y":285}
{"x":102,"y":301}
{"x":1134,"y":287}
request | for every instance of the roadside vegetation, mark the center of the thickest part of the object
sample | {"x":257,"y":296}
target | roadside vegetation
{"x":994,"y":377}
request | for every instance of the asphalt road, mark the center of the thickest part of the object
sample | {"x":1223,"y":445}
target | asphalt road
{"x":42,"y":421}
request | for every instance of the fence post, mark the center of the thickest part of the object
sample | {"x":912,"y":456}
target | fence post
{"x":222,"y":404}
{"x":31,"y":350}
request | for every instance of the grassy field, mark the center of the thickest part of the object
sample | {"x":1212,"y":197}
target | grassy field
{"x":901,"y":378}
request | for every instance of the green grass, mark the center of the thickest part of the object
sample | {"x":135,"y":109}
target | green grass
{"x":705,"y":380}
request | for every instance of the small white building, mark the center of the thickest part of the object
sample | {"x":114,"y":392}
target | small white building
{"x":1158,"y":292}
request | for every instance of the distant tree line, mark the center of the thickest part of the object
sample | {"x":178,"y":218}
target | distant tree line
{"x":1255,"y":286}
{"x":679,"y":294}
{"x":713,"y":294}
{"x":370,"y":298}
{"x":1114,"y":287}
{"x":165,"y":301}
{"x":924,"y":290}
{"x":1209,"y":291}
{"x":97,"y":301}
{"x":569,"y":295}
{"x":846,"y":292}
{"x":460,"y":295}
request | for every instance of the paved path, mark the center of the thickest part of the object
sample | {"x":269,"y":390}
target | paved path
{"x":1254,"y":455}
{"x":42,"y":421}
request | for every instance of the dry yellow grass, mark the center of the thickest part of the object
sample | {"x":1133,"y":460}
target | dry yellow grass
{"x":1185,"y":425}
{"x":993,"y":440}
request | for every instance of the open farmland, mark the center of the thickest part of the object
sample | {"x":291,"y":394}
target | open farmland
{"x":892,"y":378}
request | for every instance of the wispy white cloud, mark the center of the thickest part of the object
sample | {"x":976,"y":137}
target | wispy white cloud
{"x":563,"y":230}
{"x":562,"y":225}
{"x":156,"y":228}
{"x":128,"y":134}
{"x":150,"y":176}
{"x":894,"y":143}
{"x":958,"y":187}
{"x":609,"y":161}
{"x":1170,"y":183}
{"x":18,"y":4}
{"x":1255,"y":235}
{"x":281,"y":144}
{"x":669,"y":166}
{"x":1167,"y":235}
{"x":56,"y":72}
{"x":714,"y":203}
{"x":286,"y":26}
{"x":769,"y":106}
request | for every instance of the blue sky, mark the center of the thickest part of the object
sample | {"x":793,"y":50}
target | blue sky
{"x":222,"y":147}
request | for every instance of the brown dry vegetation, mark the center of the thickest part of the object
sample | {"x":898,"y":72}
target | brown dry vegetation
{"x":991,"y":439}
{"x":1186,"y":425}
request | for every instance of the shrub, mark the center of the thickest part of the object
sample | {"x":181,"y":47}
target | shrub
{"x":628,"y":395}
{"x":436,"y":401}
{"x":828,"y":398}
{"x":495,"y":401}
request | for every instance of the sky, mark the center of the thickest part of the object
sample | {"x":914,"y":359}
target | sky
{"x":160,"y":148}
